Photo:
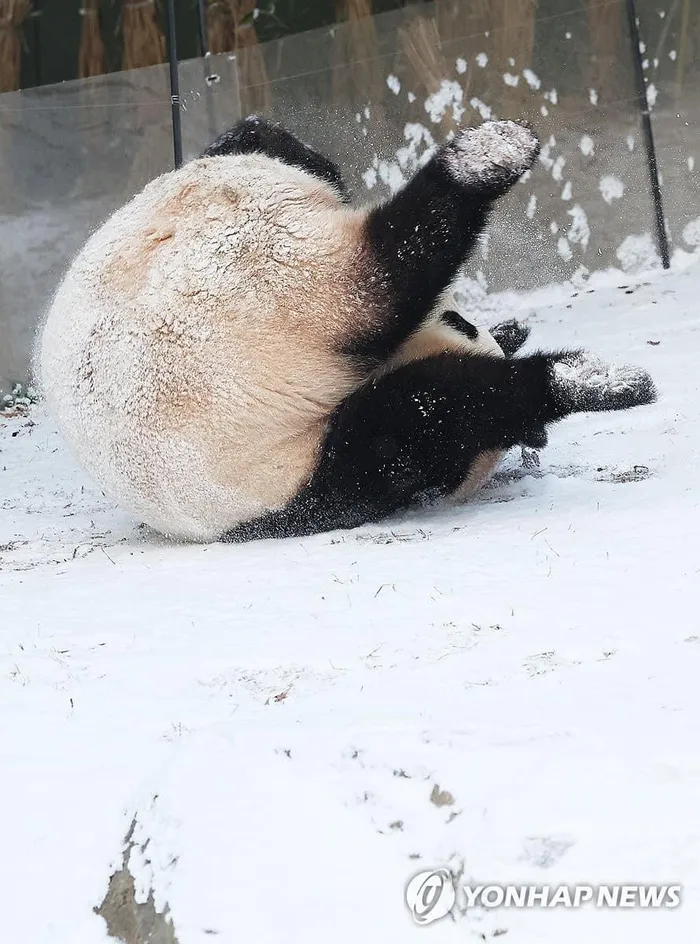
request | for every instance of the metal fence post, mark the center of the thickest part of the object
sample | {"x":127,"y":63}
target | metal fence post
{"x":202,"y":27}
{"x":661,"y":234}
{"x":174,"y":84}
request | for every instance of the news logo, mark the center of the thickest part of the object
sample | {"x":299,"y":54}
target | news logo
{"x":430,"y":895}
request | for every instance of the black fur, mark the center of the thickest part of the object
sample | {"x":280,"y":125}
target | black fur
{"x":255,"y":135}
{"x":418,"y":241}
{"x":456,"y":321}
{"x":510,"y":336}
{"x":412,"y":435}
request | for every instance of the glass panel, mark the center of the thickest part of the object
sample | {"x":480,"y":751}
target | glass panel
{"x":671,"y":31}
{"x":69,"y":155}
{"x":378,"y":94}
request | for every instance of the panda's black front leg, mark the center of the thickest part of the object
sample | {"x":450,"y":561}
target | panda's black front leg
{"x":416,"y":243}
{"x":255,"y":135}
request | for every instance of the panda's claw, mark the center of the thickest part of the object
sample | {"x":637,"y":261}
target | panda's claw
{"x":492,"y":156}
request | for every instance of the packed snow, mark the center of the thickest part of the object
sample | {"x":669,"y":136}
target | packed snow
{"x":289,"y":731}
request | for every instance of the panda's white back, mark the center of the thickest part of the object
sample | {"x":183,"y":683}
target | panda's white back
{"x":190,"y":356}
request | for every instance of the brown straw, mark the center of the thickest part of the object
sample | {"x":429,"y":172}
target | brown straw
{"x":91,"y":54}
{"x":12,"y":14}
{"x":144,"y":43}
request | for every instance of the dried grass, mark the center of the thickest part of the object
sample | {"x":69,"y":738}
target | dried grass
{"x":144,"y":43}
{"x":230,"y":28}
{"x":513,"y":26}
{"x":606,"y":31}
{"x":430,"y":47}
{"x":419,"y":43}
{"x":358,"y":76}
{"x":221,"y":26}
{"x":91,"y":54}
{"x":513,"y":35}
{"x":12,"y":15}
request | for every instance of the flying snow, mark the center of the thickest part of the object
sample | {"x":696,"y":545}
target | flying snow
{"x":691,"y":233}
{"x":611,"y":188}
{"x":449,"y":95}
{"x":532,"y":80}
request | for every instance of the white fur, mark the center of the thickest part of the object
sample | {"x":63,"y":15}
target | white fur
{"x":190,"y":354}
{"x":191,"y":377}
{"x":435,"y":337}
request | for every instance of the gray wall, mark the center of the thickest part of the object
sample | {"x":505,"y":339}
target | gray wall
{"x":376,"y":97}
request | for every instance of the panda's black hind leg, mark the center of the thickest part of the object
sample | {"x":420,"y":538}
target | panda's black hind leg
{"x":412,"y":435}
{"x":255,"y":135}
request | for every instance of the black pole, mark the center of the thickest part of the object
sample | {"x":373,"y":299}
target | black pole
{"x":174,"y":83}
{"x":202,"y":27}
{"x":36,"y":37}
{"x":661,"y":234}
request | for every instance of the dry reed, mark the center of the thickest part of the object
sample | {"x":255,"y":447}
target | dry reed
{"x":91,"y":53}
{"x":513,"y":26}
{"x":144,"y":43}
{"x":12,"y":15}
{"x":231,"y":28}
{"x":605,"y":28}
{"x":420,"y":44}
{"x":358,"y":76}
{"x":221,"y":26}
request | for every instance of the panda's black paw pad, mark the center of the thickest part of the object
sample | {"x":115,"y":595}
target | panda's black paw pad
{"x":492,"y":156}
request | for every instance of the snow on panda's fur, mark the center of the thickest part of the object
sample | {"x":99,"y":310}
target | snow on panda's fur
{"x":189,"y":355}
{"x":203,"y":338}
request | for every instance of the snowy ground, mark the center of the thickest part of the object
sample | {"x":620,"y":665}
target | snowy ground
{"x":275,"y":717}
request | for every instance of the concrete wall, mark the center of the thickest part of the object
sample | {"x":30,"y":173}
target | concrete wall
{"x":377,"y":97}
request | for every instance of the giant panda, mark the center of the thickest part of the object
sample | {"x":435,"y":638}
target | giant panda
{"x":240,"y":353}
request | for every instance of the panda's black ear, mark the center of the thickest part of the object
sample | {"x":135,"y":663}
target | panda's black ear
{"x":255,"y":135}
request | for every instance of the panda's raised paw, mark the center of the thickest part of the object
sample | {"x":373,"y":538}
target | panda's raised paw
{"x":492,"y":156}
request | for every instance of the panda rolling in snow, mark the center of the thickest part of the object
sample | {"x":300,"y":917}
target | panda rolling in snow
{"x":239,"y":353}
